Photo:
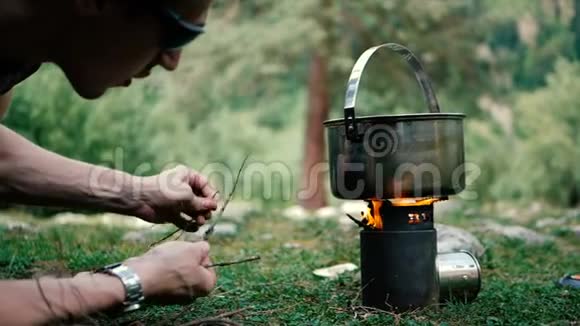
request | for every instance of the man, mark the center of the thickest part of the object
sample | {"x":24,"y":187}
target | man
{"x":101,"y":44}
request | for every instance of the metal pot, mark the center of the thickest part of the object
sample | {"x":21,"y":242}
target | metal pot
{"x":394,"y":156}
{"x":459,"y":276}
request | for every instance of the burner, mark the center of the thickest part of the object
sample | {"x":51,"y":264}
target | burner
{"x":398,"y":260}
{"x":392,"y":156}
{"x":400,"y":267}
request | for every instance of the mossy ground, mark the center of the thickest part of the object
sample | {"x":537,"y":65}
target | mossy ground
{"x":518,"y":279}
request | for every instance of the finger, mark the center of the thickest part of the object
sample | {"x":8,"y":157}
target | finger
{"x":201,"y":186}
{"x":203,"y":247}
{"x":200,"y":220}
{"x":184,"y":222}
{"x":207,"y":216}
{"x":195,"y":212}
{"x":204,"y":216}
{"x":202,"y":204}
{"x":206,"y":262}
{"x":210,"y":280}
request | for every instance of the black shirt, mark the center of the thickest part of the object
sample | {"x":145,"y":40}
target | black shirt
{"x":11,"y":75}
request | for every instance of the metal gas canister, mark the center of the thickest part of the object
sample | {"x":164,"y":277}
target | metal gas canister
{"x":459,"y":276}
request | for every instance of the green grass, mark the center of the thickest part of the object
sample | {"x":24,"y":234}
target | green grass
{"x":518,"y":280}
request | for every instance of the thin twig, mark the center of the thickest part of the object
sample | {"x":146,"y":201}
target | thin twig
{"x":359,"y":223}
{"x":231,"y":195}
{"x":171,"y":234}
{"x":221,"y":212}
{"x":241,"y":261}
{"x":361,"y":291}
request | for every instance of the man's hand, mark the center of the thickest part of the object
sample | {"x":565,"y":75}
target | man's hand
{"x":32,"y":175}
{"x":180,"y":196}
{"x":175,"y":272}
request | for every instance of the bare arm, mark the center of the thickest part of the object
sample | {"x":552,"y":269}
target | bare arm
{"x":32,"y":175}
{"x":173,"y":272}
{"x":31,"y":302}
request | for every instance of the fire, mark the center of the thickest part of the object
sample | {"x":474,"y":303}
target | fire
{"x":408,"y":202}
{"x":372,"y":216}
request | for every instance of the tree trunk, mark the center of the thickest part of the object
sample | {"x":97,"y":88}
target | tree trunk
{"x":313,"y":195}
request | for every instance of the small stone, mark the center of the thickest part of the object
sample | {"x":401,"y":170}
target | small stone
{"x":535,"y":208}
{"x":111,"y":219}
{"x":237,"y":211}
{"x":19,"y":227}
{"x":333,"y":272}
{"x":148,"y":235}
{"x":328,"y":212}
{"x":291,"y":245}
{"x":576,"y":230}
{"x":108,"y":219}
{"x":443,"y":208}
{"x":139,"y":236}
{"x":267,"y":236}
{"x":136,"y":237}
{"x":515,"y":232}
{"x":191,"y":237}
{"x":72,"y":218}
{"x":550,"y":221}
{"x":573,"y":213}
{"x":295,"y":213}
{"x":225,"y":229}
{"x":451,"y":239}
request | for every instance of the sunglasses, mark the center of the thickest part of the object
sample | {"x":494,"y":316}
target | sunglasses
{"x":177,"y":31}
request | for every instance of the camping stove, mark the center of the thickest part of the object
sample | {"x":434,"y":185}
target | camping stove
{"x":402,"y":156}
{"x":400,"y":267}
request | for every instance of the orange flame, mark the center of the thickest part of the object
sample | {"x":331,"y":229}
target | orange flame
{"x":372,"y":216}
{"x":411,"y":202}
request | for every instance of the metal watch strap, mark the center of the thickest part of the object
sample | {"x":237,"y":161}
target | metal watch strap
{"x":131,"y":283}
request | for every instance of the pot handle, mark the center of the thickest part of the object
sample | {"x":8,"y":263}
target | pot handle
{"x":356,"y":75}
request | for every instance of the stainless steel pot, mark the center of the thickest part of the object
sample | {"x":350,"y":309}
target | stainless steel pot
{"x":395,"y":156}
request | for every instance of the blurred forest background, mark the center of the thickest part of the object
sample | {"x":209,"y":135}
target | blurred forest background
{"x":268,"y":72}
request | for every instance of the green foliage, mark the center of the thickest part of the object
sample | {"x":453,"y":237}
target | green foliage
{"x":242,"y":89}
{"x":47,"y":111}
{"x":547,"y":152}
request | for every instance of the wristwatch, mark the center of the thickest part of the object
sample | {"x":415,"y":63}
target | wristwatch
{"x":131,"y":283}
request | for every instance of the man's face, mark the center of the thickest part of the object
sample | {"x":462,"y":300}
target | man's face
{"x":112,"y":45}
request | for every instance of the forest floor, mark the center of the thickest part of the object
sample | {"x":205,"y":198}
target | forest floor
{"x":518,"y":279}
